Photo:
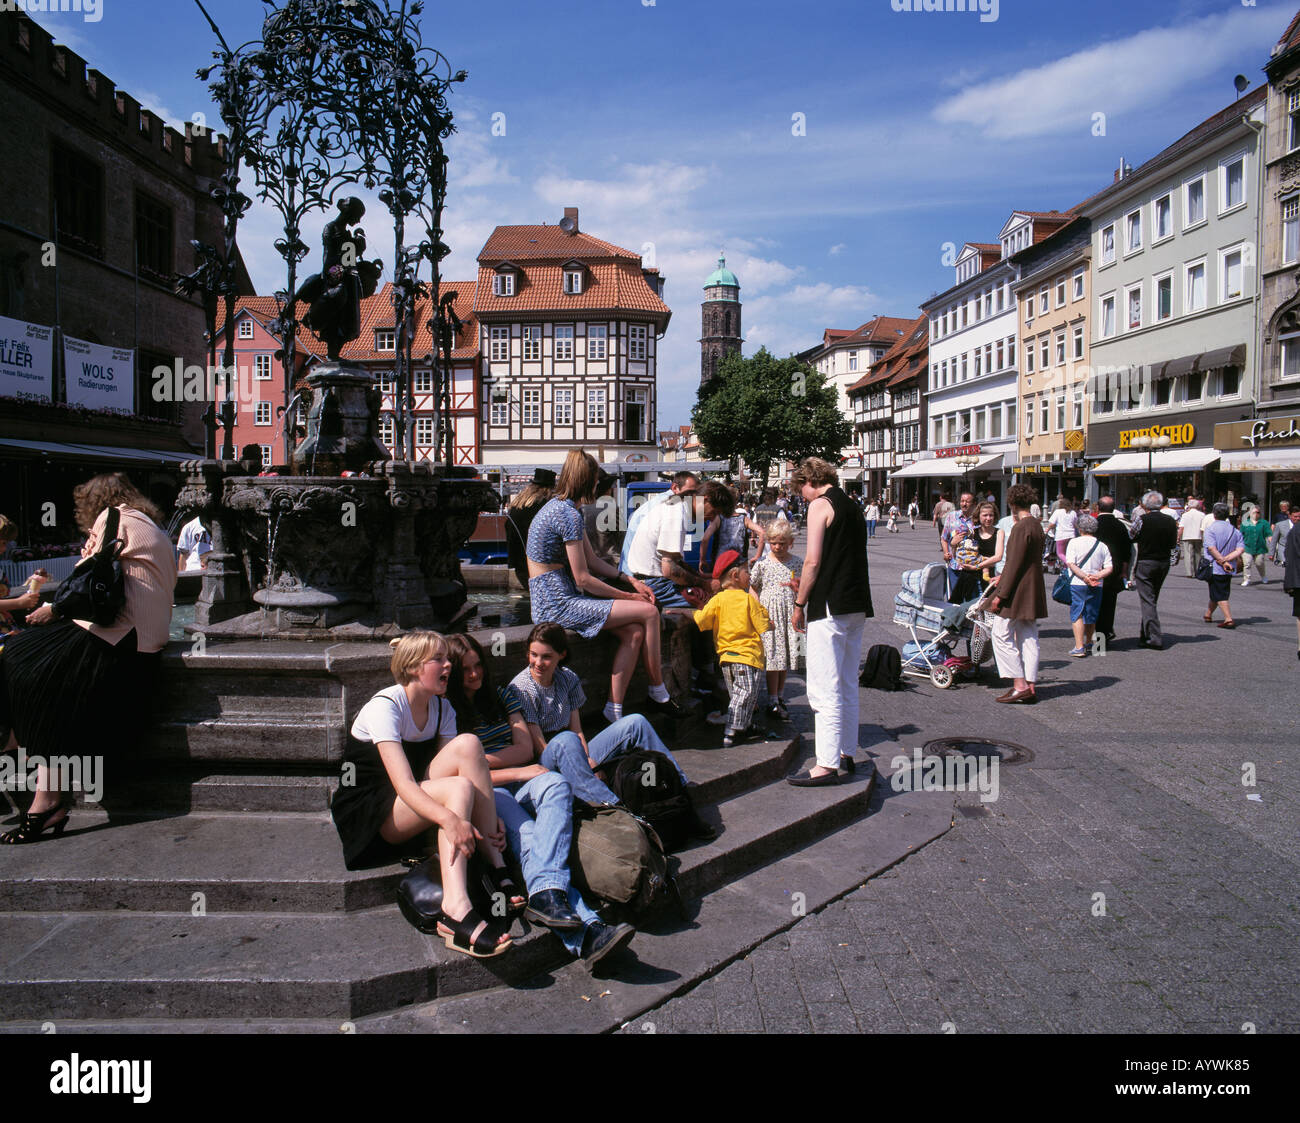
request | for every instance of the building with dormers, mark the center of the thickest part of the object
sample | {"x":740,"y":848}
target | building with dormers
{"x":888,"y":410}
{"x":719,"y":319}
{"x":569,"y":327}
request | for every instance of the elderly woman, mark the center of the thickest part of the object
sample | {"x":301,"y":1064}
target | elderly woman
{"x":1291,"y":570}
{"x":1090,"y":563}
{"x":75,"y":686}
{"x":1020,"y":601}
{"x":1224,"y":546}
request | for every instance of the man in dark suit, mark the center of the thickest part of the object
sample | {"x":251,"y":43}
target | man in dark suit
{"x":1156,"y":535}
{"x":1113,"y":534}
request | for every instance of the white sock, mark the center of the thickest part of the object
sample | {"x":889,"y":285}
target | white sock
{"x":658,"y":693}
{"x":613,"y":711}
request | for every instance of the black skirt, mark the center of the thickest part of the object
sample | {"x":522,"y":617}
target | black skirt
{"x":365,"y":799}
{"x":64,"y":690}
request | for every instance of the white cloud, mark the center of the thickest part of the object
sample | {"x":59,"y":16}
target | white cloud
{"x":837,"y":249}
{"x":1123,"y":75}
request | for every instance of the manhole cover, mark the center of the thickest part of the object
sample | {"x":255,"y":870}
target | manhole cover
{"x":1004,"y":751}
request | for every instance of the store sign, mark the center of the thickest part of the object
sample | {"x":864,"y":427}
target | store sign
{"x":1184,"y":434}
{"x":1074,"y":440}
{"x":26,"y":358}
{"x":1276,"y":432}
{"x":98,"y":377}
{"x":958,"y":450}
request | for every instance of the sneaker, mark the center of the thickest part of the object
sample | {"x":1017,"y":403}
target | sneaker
{"x":1079,"y":652}
{"x":718,"y":717}
{"x":1245,"y":583}
{"x":728,"y":740}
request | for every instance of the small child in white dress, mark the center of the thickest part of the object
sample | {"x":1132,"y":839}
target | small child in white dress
{"x":775,"y":577}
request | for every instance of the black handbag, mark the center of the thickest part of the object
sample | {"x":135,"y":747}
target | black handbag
{"x":96,"y":589}
{"x":1204,"y":569}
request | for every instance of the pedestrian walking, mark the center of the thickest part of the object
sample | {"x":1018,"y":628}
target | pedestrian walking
{"x":1155,"y":535}
{"x":835,"y":598}
{"x":1224,"y":545}
{"x":1061,"y":524}
{"x":1281,"y":529}
{"x":1291,"y":574}
{"x":912,"y":511}
{"x":1256,"y":534}
{"x":1114,"y":535}
{"x":893,"y":518}
{"x":1090,"y":563}
{"x":1190,"y":529}
{"x":873,"y":517}
{"x":942,"y":510}
{"x":1020,"y":601}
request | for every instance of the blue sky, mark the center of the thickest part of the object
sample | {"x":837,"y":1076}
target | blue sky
{"x":672,"y":123}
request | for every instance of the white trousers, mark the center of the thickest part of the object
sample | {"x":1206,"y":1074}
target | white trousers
{"x":834,"y":652}
{"x":1015,"y":646}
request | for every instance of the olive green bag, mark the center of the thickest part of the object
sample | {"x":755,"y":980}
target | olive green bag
{"x":619,"y":864}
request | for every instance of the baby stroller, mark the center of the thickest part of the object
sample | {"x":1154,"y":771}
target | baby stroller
{"x":922,"y":607}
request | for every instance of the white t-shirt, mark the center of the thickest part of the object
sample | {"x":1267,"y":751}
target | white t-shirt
{"x":1192,"y":524}
{"x":1075,"y":552}
{"x":663,"y":530}
{"x":873,"y":513}
{"x":387,"y":717}
{"x":194,"y":542}
{"x":1063,"y":521}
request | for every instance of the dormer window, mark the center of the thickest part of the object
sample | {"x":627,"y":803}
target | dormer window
{"x":245,"y":328}
{"x":385,"y":339}
{"x":573,"y":278}
{"x":503,"y":284}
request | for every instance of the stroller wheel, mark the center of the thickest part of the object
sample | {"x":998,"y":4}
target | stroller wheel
{"x":941,"y":677}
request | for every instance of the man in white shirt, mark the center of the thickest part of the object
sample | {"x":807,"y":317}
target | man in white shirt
{"x":1190,"y":532}
{"x":684,"y":483}
{"x":193,"y":547}
{"x":656,"y":555}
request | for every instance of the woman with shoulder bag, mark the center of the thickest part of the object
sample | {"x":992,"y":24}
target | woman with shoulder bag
{"x":77,"y":686}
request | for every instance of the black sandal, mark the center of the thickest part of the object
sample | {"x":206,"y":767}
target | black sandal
{"x":460,"y":936}
{"x":33,"y":826}
{"x":504,"y":883}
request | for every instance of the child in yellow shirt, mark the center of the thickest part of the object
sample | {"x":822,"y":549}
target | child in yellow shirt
{"x":738,"y":622}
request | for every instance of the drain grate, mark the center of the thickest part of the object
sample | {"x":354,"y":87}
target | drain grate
{"x":1003,"y":751}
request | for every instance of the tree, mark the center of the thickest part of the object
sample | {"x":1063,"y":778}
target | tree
{"x":765,"y":410}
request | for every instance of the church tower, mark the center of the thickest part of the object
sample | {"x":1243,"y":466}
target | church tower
{"x":719,"y":319}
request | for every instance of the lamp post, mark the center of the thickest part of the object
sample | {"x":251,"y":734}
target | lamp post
{"x":1151,"y":443}
{"x":966,"y":463}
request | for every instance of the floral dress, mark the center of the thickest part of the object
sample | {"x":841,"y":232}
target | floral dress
{"x":781,"y":645}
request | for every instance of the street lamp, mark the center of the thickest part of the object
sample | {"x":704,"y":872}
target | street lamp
{"x":1151,"y":443}
{"x":966,"y":463}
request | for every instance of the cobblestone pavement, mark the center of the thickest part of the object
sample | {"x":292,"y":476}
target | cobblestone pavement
{"x":1124,"y":880}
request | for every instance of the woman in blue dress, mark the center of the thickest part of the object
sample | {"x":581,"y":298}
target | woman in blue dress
{"x":564,"y":583}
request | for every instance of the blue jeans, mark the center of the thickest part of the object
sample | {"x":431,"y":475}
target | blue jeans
{"x":871,"y":528}
{"x":538,"y":817}
{"x":564,"y":755}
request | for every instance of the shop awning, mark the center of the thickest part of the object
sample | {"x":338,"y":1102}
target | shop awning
{"x":1207,"y":360}
{"x":74,"y":451}
{"x":1167,"y":460}
{"x":1266,"y":460}
{"x":945,"y":466}
{"x":851,"y":474}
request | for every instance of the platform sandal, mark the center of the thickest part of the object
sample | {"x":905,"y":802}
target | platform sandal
{"x":504,"y":883}
{"x":33,"y":826}
{"x":459,"y":936}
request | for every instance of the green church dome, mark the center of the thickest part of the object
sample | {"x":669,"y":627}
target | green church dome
{"x":722,"y":275}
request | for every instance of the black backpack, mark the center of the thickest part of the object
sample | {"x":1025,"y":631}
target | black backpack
{"x":883,"y":669}
{"x":647,"y":784}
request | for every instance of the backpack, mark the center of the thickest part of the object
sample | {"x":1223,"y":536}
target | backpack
{"x":619,"y":864}
{"x":883,"y":669}
{"x":648,"y":785}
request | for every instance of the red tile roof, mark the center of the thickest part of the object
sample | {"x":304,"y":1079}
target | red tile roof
{"x":887,"y":365}
{"x":1291,"y":36}
{"x":264,"y":309}
{"x":881,"y":329}
{"x":525,"y":243}
{"x":377,"y":312}
{"x":614,"y":286}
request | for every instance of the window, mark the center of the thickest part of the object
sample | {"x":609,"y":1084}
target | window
{"x":1029,"y":419}
{"x":422,"y":382}
{"x":153,"y":239}
{"x":1107,"y":245}
{"x":262,"y":368}
{"x":988,"y":358}
{"x":563,"y":341}
{"x":988,"y":305}
{"x":246,"y":328}
{"x":636,"y":341}
{"x":1162,"y":391}
{"x":1029,"y":310}
{"x":964,"y":355}
{"x":1291,"y":230}
{"x":266,"y":455}
{"x":385,"y":339}
{"x":424,"y":431}
{"x":1133,"y":306}
{"x":1060,"y":348}
{"x":1230,"y":274}
{"x":1001,"y":353}
{"x":563,"y":407}
{"x":1060,"y":413}
{"x":596,"y":334}
{"x":1044,"y":352}
{"x":937,"y":439}
{"x":1232,"y":183}
{"x":500,"y":407}
{"x":636,"y":411}
{"x":1290,"y":367}
{"x":500,"y":346}
{"x":1164,"y":297}
{"x":1293,"y":120}
{"x":262,"y":413}
{"x":503,"y":284}
{"x":386,"y":381}
{"x":1230,"y":382}
{"x":1044,"y":414}
{"x":965,"y":313}
{"x":995,"y":421}
{"x":943,"y":322}
{"x":1194,"y":386}
{"x":1011,"y":351}
{"x":1029,"y":356}
{"x":1078,"y":283}
{"x":853,"y":360}
{"x":1002,"y":297}
{"x":1194,"y":288}
{"x":1060,"y":292}
{"x":943,"y":373}
{"x":1107,"y":316}
{"x":531,"y":406}
{"x":596,"y":407}
{"x":79,"y":201}
{"x":980,"y":423}
{"x":1011,"y":418}
{"x":532,"y":338}
{"x":1164,"y":212}
{"x":1193,"y":202}
{"x":1042,"y":299}
{"x":386,"y":432}
{"x":1133,"y":232}
{"x":1078,"y":342}
{"x":1077,"y":414}
{"x":573,"y":281}
{"x":979,"y":359}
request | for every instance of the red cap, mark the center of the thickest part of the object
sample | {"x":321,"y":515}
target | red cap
{"x":726,"y":560}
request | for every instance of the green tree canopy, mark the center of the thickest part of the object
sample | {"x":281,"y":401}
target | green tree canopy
{"x":765,"y":410}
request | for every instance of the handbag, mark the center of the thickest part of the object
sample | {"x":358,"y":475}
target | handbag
{"x":1204,"y":569}
{"x":96,"y":589}
{"x":1061,"y":590}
